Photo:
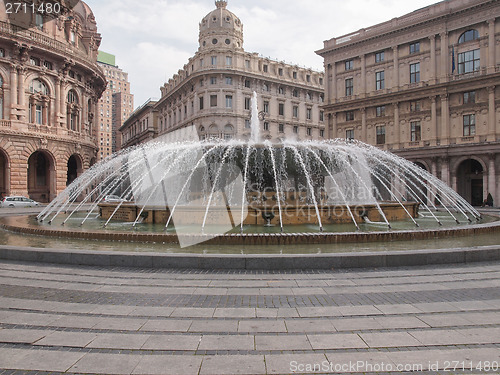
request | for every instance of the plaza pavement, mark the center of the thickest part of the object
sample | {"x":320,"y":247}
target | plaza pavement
{"x":58,"y":319}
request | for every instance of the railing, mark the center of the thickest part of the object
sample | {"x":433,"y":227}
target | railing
{"x":5,"y":123}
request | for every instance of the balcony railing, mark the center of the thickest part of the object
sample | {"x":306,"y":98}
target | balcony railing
{"x":5,"y":123}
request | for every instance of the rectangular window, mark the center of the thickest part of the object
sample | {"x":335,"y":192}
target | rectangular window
{"x":213,"y":100}
{"x":264,"y":68}
{"x":266,"y":125}
{"x":247,"y":83}
{"x":229,"y":101}
{"x":281,"y":128}
{"x":281,"y":109}
{"x":380,"y":80}
{"x":280,"y":71}
{"x":201,"y":63}
{"x":309,"y":113}
{"x":309,"y":131}
{"x":294,"y":75}
{"x":380,"y":135}
{"x":415,"y":106}
{"x":469,"y":61}
{"x":415,"y":73}
{"x":469,"y":125}
{"x":295,"y":111}
{"x":321,"y":116}
{"x":39,"y":21}
{"x":229,"y":80}
{"x":380,"y":111}
{"x":296,"y":129}
{"x":38,"y":114}
{"x":229,"y":61}
{"x":349,"y":134}
{"x":349,"y":64}
{"x":308,"y":78}
{"x":266,"y":107}
{"x":349,"y":116}
{"x":415,"y":131}
{"x":247,"y":103}
{"x":247,"y":124}
{"x":349,"y":87}
{"x":469,"y":97}
{"x":322,"y":133}
{"x":213,"y":80}
{"x":415,"y":47}
{"x":247,"y":64}
{"x":213,"y":60}
{"x":379,"y":56}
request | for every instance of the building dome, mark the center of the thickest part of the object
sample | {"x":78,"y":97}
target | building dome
{"x":221,"y":29}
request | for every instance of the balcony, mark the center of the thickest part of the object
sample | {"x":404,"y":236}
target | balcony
{"x":5,"y":124}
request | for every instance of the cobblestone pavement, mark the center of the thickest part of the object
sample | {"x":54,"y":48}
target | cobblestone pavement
{"x":90,"y":320}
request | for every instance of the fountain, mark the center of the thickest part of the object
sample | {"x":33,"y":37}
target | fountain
{"x":254,"y":192}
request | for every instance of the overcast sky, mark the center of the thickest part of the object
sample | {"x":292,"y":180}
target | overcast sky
{"x":153,"y":39}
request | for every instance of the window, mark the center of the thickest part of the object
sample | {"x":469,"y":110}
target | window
{"x":247,"y":64}
{"x":415,"y":47}
{"x":379,"y":56}
{"x":309,"y":96}
{"x":415,"y":73}
{"x":280,"y":71}
{"x":72,"y":37}
{"x":380,"y":111}
{"x":380,"y":135}
{"x":229,"y":61}
{"x":469,"y":125}
{"x":308,"y":78}
{"x":202,"y":63}
{"x":213,"y":80}
{"x":321,"y":116}
{"x":281,"y":91}
{"x":309,"y":113}
{"x":48,"y":65}
{"x":380,"y":80}
{"x":228,"y":132}
{"x":266,"y":126}
{"x":281,"y":109}
{"x":34,"y":61}
{"x":294,"y":75}
{"x":349,"y":134}
{"x":349,"y":64}
{"x":247,"y":124}
{"x":264,"y":68}
{"x":213,"y":100}
{"x":229,"y":80}
{"x":295,"y":93}
{"x":415,"y":131}
{"x":281,"y":128}
{"x":296,"y":129}
{"x":247,"y":83}
{"x":38,"y":86}
{"x":322,"y":133}
{"x":213,"y":60}
{"x":469,"y":61}
{"x":469,"y":97}
{"x":247,"y":103}
{"x":266,"y":107}
{"x":468,"y":36}
{"x":265,"y":87}
{"x":349,"y":87}
{"x":295,"y":111}
{"x":349,"y":116}
{"x":1,"y":98}
{"x":414,"y":106}
{"x":229,"y":101}
{"x":2,"y":52}
{"x":39,"y":21}
{"x":309,"y":131}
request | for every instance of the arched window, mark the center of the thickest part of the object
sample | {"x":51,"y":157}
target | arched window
{"x":73,"y":111}
{"x":213,"y":131}
{"x":468,"y":36}
{"x":228,"y":132}
{"x":201,"y":133}
{"x":39,"y":102}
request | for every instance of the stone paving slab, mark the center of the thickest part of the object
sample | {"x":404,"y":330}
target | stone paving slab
{"x":233,"y":365}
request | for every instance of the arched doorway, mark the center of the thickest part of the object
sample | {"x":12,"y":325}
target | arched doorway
{"x":41,"y":173}
{"x":470,"y":181}
{"x":74,"y":169}
{"x":4,"y":174}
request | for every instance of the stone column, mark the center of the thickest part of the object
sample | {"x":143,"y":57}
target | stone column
{"x":333,"y":93}
{"x":363,"y":74}
{"x":61,"y":100}
{"x":396,"y":66}
{"x":491,"y":137}
{"x":445,"y":170}
{"x":333,"y":123}
{"x":57,"y":101}
{"x":492,"y":179}
{"x":397,"y":130}
{"x":434,"y":135}
{"x":432,"y":73}
{"x":13,"y":92}
{"x":364,"y":135}
{"x":491,"y":47}
{"x":21,"y":94}
{"x":445,"y":68}
{"x":445,"y":120}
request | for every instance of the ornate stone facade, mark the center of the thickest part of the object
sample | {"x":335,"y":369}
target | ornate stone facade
{"x":213,"y":90}
{"x":427,"y":87}
{"x":49,"y":87}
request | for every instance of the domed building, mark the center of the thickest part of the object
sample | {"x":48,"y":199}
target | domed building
{"x":49,"y":87}
{"x":212,"y":92}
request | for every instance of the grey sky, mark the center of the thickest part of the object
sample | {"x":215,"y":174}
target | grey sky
{"x":153,"y":39}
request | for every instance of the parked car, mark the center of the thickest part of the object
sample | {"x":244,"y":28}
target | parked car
{"x":113,"y":199}
{"x":18,"y":202}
